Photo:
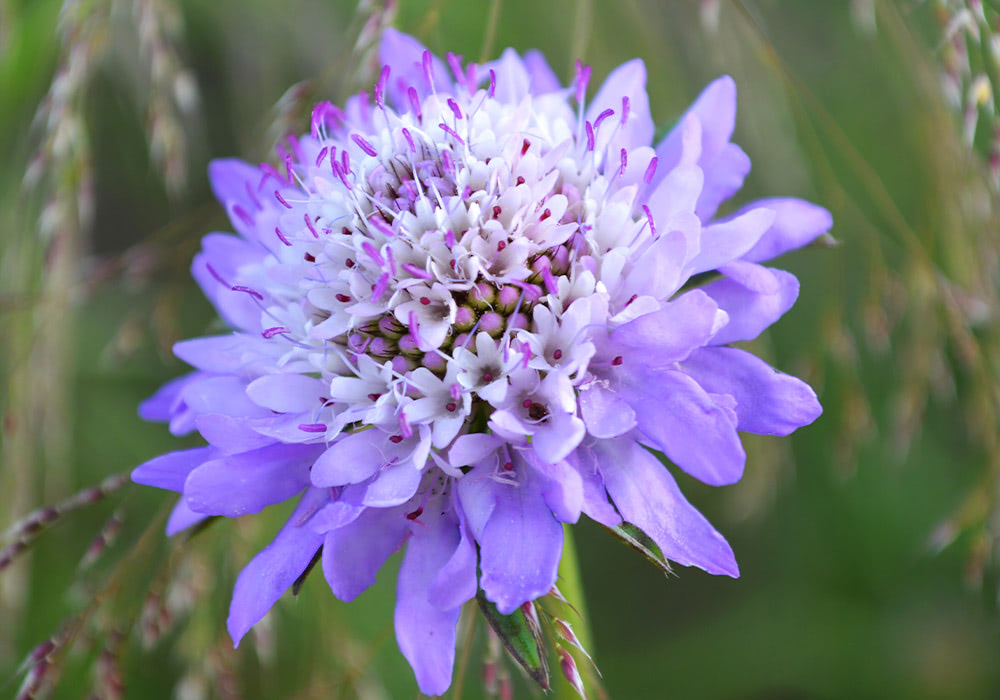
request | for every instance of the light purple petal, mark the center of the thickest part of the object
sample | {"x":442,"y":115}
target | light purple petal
{"x":595,"y":499}
{"x":182,"y":517}
{"x":245,"y":483}
{"x":350,"y":460}
{"x":561,"y":487}
{"x":543,"y":78}
{"x":604,"y":412}
{"x":678,"y":417}
{"x":225,"y":255}
{"x":169,"y":471}
{"x":520,"y":546}
{"x":286,"y":392}
{"x":167,"y":401}
{"x":751,"y":311}
{"x":394,"y":485}
{"x":353,"y":554}
{"x":724,"y":176}
{"x":512,"y":79}
{"x":477,"y":493}
{"x":219,"y":354}
{"x":727,"y":240}
{"x":796,"y":224}
{"x":716,"y":111}
{"x":274,"y":569}
{"x":558,"y":436}
{"x":425,"y":632}
{"x":229,"y":178}
{"x":456,"y":582}
{"x":767,"y":401}
{"x":647,"y":496}
{"x":231,"y":435}
{"x":659,"y":339}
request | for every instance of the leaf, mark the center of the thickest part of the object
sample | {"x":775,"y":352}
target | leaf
{"x":640,"y":541}
{"x":521,"y":638}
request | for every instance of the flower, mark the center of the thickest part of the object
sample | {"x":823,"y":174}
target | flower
{"x":462,"y":316}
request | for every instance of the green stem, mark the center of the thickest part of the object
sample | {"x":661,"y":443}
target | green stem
{"x":571,"y":586}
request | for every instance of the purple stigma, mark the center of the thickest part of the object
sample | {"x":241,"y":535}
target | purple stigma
{"x":313,"y":427}
{"x":411,"y":93}
{"x":216,"y":275}
{"x":404,"y":425}
{"x":269,"y":171}
{"x":601,"y":117}
{"x":649,"y":217}
{"x":650,"y":170}
{"x":409,"y":139}
{"x":454,"y":134}
{"x":625,"y":109}
{"x":381,"y":284}
{"x":247,"y":290}
{"x":322,"y":155}
{"x":455,"y":109}
{"x":455,"y":63}
{"x":285,"y":204}
{"x":392,"y":260}
{"x":373,"y":254}
{"x":309,"y":225}
{"x":492,"y":91}
{"x":364,"y":145}
{"x":550,"y":281}
{"x":590,"y":135}
{"x":242,"y":213}
{"x":378,"y":222}
{"x":276,"y":330}
{"x":449,"y":238}
{"x":281,"y":237}
{"x":250,"y":193}
{"x":447,"y":163}
{"x":339,"y":172}
{"x":345,"y":161}
{"x":416,"y":271}
{"x":621,"y":170}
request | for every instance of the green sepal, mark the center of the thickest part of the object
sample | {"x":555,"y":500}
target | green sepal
{"x":522,"y":639}
{"x":641,"y":542}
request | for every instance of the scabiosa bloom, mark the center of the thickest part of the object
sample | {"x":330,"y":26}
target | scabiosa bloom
{"x":462,"y":316}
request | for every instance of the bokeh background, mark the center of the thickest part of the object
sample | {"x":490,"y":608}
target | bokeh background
{"x":867,"y":541}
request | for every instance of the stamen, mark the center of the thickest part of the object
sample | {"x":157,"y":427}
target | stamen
{"x":601,"y":117}
{"x":313,"y":428}
{"x":373,"y":253}
{"x":624,"y":165}
{"x":281,"y":236}
{"x":590,"y":136}
{"x":416,"y":271}
{"x":582,"y":79}
{"x":322,"y":154}
{"x":404,"y":425}
{"x":455,"y":63}
{"x":451,"y":132}
{"x":216,"y":275}
{"x":557,"y":354}
{"x":364,"y":145}
{"x":309,"y":225}
{"x":409,"y":139}
{"x":269,"y":333}
{"x":411,"y":93}
{"x":649,"y":217}
{"x":625,"y":110}
{"x":454,"y":108}
{"x":378,"y":289}
{"x":617,"y":362}
{"x":242,"y":213}
{"x":492,"y":91}
{"x":247,"y":290}
{"x":650,"y":170}
{"x":277,"y":195}
{"x":426,"y":65}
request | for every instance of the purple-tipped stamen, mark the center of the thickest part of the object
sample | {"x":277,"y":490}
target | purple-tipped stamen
{"x":248,"y":290}
{"x":364,"y":145}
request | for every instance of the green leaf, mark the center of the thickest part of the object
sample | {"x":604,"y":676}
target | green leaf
{"x":640,"y":541}
{"x":521,"y":637}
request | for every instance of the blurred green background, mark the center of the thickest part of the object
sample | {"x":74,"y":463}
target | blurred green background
{"x":866,"y":541}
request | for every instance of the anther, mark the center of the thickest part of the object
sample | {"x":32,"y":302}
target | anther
{"x":525,"y":145}
{"x":520,"y":180}
{"x":617,"y":362}
{"x":557,"y":355}
{"x":343,"y":298}
{"x":451,"y":406}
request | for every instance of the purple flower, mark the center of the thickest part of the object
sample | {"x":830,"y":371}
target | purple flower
{"x":459,"y":322}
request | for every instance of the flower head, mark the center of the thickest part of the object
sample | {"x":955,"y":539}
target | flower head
{"x":460,"y":319}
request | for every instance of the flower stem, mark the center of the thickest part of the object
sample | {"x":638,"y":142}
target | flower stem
{"x":571,"y":586}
